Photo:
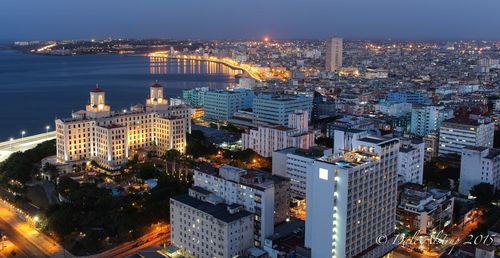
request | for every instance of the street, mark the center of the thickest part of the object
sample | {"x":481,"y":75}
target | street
{"x":24,"y":236}
{"x":156,"y":237}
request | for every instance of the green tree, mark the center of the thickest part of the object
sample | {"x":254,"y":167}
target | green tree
{"x":324,"y":141}
{"x":197,"y":145}
{"x":484,"y":193}
{"x":147,"y":171}
{"x":21,"y":166}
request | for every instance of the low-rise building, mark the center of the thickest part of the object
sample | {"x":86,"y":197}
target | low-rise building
{"x":424,"y":210}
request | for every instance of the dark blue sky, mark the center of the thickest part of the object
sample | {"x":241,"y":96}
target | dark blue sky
{"x":237,"y":19}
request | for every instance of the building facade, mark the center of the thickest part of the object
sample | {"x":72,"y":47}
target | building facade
{"x":424,"y":210}
{"x":351,"y":200}
{"x":220,"y":105}
{"x":100,"y":135}
{"x":208,"y":227}
{"x":265,"y":197}
{"x":334,"y":49}
{"x":294,"y":163}
{"x":266,"y":139}
{"x":479,"y":165}
{"x":411,"y":161}
{"x":274,"y":110}
{"x":456,"y":133}
{"x":407,"y":97}
{"x":195,"y":97}
{"x":431,"y":145}
{"x":425,"y":119}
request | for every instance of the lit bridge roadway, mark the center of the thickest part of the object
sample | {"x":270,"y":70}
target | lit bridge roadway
{"x":23,"y":144}
{"x":250,"y":70}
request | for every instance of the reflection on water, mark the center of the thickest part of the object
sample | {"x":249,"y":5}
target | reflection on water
{"x":163,"y":65}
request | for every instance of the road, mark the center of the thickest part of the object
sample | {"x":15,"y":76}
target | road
{"x":21,"y":232}
{"x":27,"y":249}
{"x":154,"y":238}
{"x":457,"y":237}
{"x":23,"y":144}
{"x":250,"y":70}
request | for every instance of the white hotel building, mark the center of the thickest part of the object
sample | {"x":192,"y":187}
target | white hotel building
{"x":107,"y":137}
{"x":352,"y":199}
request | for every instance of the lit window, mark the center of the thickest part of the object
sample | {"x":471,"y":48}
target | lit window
{"x":323,"y":174}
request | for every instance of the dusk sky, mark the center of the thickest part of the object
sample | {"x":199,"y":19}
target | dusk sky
{"x":239,"y":19}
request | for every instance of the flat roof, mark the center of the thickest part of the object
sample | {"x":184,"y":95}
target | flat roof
{"x":218,"y":211}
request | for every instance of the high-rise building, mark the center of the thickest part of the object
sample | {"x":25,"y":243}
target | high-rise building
{"x":334,"y":49}
{"x":265,"y":196}
{"x":220,"y":105}
{"x":274,"y":110}
{"x":294,"y":163}
{"x":479,"y":165}
{"x":458,"y":132}
{"x":351,"y":200}
{"x":106,"y":137}
{"x":411,"y":161}
{"x":424,"y":119}
{"x":202,"y":225}
{"x":195,"y":97}
{"x":266,"y":139}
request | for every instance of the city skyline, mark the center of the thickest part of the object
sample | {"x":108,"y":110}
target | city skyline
{"x":250,"y":129}
{"x":321,"y":19}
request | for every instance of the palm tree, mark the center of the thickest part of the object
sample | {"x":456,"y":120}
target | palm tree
{"x":171,"y":155}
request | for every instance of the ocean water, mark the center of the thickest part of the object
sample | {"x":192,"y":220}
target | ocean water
{"x":36,"y":89}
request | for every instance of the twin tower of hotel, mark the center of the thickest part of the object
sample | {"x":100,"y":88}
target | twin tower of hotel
{"x":107,"y":137}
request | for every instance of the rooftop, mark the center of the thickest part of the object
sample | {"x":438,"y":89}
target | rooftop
{"x":97,"y":89}
{"x":463,"y":121}
{"x":218,"y":211}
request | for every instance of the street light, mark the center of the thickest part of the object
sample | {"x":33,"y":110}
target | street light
{"x":47,"y":128}
{"x":22,"y":134}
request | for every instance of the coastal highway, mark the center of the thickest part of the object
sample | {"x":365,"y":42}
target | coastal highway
{"x":22,"y":144}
